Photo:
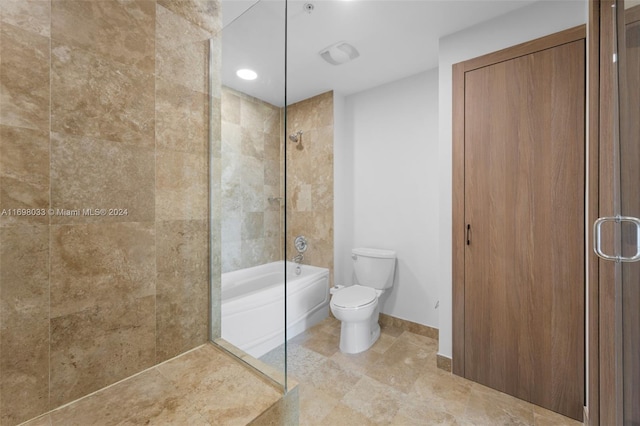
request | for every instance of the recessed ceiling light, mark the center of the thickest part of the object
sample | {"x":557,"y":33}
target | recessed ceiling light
{"x":247,"y":74}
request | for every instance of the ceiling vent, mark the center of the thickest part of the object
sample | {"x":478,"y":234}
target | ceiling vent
{"x":339,"y":53}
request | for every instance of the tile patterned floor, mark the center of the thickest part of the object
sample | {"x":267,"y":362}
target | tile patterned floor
{"x":396,"y":382}
{"x":183,"y":391}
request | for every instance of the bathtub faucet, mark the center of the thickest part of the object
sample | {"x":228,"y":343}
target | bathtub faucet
{"x":298,"y":258}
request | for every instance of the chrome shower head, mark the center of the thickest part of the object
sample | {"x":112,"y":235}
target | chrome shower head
{"x":295,"y":137}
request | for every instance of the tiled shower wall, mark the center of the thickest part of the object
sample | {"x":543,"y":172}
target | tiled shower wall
{"x":103,"y":105}
{"x":251,"y":181}
{"x":310,"y":179}
{"x":252,"y":172}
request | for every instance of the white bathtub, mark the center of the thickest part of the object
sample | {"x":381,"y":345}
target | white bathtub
{"x":253,"y":304}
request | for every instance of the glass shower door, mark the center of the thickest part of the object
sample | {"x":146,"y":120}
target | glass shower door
{"x":250,"y":186}
{"x":629,"y":108}
{"x":626,"y":197}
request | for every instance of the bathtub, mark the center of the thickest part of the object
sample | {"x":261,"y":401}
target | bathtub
{"x":253,"y":304}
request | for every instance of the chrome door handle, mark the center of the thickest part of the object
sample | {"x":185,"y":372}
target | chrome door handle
{"x":597,"y":234}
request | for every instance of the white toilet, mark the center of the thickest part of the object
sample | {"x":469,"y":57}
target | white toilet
{"x":357,"y":305}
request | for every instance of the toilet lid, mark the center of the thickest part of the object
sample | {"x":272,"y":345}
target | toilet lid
{"x":354,"y":296}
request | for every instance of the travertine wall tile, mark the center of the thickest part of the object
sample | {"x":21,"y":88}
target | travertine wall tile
{"x":310,"y":179}
{"x":24,"y":173}
{"x":24,"y":184}
{"x":100,"y":264}
{"x":230,"y":107}
{"x":203,"y":13}
{"x":173,"y":30}
{"x":100,"y":345}
{"x":251,"y":176}
{"x":30,"y":15}
{"x":183,"y":286}
{"x":97,"y":97}
{"x":181,"y":118}
{"x":252,"y":142}
{"x":84,"y":300}
{"x":24,"y":78}
{"x":24,"y":322}
{"x":88,"y":173}
{"x":182,"y":189}
{"x":184,"y":64}
{"x":97,"y":27}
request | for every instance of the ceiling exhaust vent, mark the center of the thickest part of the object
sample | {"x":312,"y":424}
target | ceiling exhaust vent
{"x":339,"y":53}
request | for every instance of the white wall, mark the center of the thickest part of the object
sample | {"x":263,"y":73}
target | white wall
{"x":539,"y":19}
{"x":391,"y":134}
{"x":342,"y":191}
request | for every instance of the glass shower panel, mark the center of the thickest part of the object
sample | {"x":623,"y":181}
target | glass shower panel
{"x":251,"y":185}
{"x":628,"y":23}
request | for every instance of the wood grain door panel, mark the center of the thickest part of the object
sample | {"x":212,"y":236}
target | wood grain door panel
{"x":524,"y":200}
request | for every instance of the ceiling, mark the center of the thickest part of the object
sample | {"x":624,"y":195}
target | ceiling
{"x":395,"y":39}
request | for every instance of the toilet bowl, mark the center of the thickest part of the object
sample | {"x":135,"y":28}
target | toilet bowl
{"x":357,"y":306}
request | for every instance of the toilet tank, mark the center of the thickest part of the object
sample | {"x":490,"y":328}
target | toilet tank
{"x":374,"y":267}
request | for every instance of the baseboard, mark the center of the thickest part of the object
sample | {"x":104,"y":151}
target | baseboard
{"x":443,"y":362}
{"x":413,"y":327}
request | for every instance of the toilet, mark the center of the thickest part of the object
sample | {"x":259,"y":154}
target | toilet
{"x":356,"y":306}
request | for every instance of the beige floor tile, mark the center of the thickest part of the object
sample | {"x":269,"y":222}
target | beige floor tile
{"x":330,"y":377}
{"x":343,"y":415}
{"x":416,"y":356}
{"x":148,"y":396}
{"x":203,"y":373}
{"x":39,"y":421}
{"x":442,"y":391}
{"x":383,"y":343}
{"x":378,"y":402}
{"x":326,"y":344}
{"x":361,"y":363}
{"x":488,"y":406}
{"x":395,"y":382}
{"x":421,"y":414}
{"x":301,"y":362}
{"x":330,"y":326}
{"x":391,"y":330}
{"x":202,"y":387}
{"x":544,"y":417}
{"x":314,"y":404}
{"x":394,"y":374}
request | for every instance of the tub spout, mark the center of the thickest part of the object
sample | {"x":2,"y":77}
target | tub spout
{"x":298,"y":258}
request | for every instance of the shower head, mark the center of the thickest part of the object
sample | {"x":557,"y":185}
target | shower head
{"x":295,"y":137}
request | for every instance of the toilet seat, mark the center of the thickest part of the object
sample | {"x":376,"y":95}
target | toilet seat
{"x":355,"y":296}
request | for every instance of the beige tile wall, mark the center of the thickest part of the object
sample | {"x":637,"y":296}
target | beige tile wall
{"x":310,"y":179}
{"x":103,"y":104}
{"x":251,"y":169}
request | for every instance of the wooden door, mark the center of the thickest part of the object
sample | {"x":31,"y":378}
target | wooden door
{"x":524,"y":174}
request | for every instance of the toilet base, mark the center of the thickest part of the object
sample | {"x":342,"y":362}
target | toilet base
{"x":356,"y":337}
